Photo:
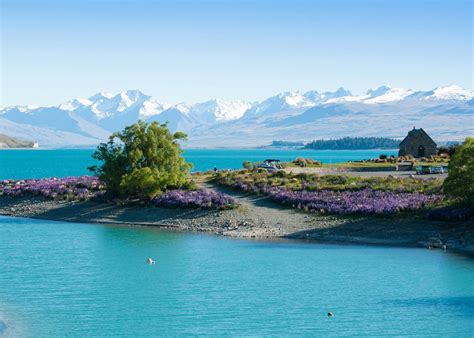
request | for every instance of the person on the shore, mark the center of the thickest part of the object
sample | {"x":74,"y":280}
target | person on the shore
{"x":215,"y":170}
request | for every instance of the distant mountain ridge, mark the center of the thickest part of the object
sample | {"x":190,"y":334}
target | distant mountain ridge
{"x":11,"y":142}
{"x":445,"y":112}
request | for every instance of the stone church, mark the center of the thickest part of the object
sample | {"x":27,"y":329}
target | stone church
{"x":418,"y":144}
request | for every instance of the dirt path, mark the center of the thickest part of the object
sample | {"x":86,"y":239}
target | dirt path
{"x":270,"y":219}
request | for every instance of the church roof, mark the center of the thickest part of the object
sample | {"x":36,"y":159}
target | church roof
{"x":415,"y":133}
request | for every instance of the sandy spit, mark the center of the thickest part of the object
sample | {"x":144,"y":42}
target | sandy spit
{"x":256,"y":217}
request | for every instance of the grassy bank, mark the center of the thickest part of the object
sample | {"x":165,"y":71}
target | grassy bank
{"x":340,"y":194}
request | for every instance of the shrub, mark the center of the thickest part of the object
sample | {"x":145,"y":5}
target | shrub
{"x":303,"y":162}
{"x":383,"y":156}
{"x":142,"y":161}
{"x":460,"y":180}
{"x":247,"y":165}
{"x":450,"y":151}
{"x":300,"y":161}
{"x":280,"y":173}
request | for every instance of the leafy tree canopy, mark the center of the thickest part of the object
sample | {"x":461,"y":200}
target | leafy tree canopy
{"x":143,"y":160}
{"x":460,"y":180}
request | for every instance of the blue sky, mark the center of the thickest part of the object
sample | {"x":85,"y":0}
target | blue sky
{"x":191,"y":51}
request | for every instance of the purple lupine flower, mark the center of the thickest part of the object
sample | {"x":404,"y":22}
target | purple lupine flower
{"x":353,"y":202}
{"x":81,"y":187}
{"x":202,"y":198}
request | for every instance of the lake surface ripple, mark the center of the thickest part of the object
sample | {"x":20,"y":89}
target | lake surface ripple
{"x":61,"y":278}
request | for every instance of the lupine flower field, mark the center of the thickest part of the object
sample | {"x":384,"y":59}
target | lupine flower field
{"x":364,"y":202}
{"x":87,"y":187}
{"x":202,"y":198}
{"x":360,"y":197}
{"x":73,"y":188}
{"x":317,"y":194}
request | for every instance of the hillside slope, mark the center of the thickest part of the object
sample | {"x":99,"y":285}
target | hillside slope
{"x":11,"y":142}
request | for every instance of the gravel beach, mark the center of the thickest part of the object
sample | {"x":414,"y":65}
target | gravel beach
{"x":255,"y":217}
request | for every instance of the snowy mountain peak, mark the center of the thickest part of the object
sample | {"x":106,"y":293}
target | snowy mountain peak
{"x":453,"y":92}
{"x":382,"y":94}
{"x":217,"y":110}
{"x":340,"y":92}
{"x":315,"y":97}
{"x":133,"y":95}
{"x":294,"y":99}
{"x":27,"y":108}
{"x":151,"y":107}
{"x":445,"y":111}
{"x":282,"y":101}
{"x":182,"y":107}
{"x":74,"y":104}
{"x":312,"y":95}
{"x":386,"y":94}
{"x":374,"y":92}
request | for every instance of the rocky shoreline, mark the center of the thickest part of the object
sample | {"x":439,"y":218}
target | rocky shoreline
{"x":256,"y":217}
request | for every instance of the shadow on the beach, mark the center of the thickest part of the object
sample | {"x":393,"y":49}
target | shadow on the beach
{"x":374,"y":230}
{"x":109,"y":212}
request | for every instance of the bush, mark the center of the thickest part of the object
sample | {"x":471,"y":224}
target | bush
{"x":383,"y":156}
{"x":460,"y":180}
{"x":141,"y":161}
{"x":450,"y":151}
{"x":303,"y":162}
{"x":247,"y":165}
{"x":300,"y":161}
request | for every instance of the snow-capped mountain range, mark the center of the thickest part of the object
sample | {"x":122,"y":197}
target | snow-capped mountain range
{"x":445,"y":112}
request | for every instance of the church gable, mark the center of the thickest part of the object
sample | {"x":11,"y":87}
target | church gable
{"x":418,"y":144}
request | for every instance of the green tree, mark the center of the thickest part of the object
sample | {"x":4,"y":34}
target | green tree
{"x":460,"y":180}
{"x":143,"y":160}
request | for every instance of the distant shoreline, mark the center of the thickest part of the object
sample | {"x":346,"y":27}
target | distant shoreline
{"x":256,"y":218}
{"x":212,"y":148}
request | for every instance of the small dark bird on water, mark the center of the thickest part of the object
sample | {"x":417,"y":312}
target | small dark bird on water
{"x":330,"y":314}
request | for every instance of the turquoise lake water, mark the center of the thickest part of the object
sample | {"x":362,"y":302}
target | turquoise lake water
{"x":72,"y":279}
{"x":67,"y":162}
{"x":61,"y":278}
